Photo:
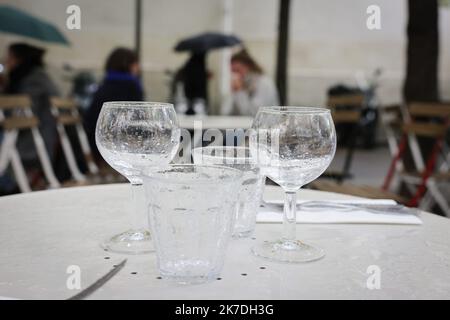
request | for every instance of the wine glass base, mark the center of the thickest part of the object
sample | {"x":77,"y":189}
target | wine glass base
{"x":130,"y":242}
{"x":288,"y":251}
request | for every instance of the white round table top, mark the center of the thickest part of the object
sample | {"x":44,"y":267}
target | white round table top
{"x":215,"y":122}
{"x":42,"y":234}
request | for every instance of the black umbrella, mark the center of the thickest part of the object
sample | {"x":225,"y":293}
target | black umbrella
{"x":207,"y":41}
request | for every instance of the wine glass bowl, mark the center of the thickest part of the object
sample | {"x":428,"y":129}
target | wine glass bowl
{"x":131,"y":137}
{"x":293,"y":146}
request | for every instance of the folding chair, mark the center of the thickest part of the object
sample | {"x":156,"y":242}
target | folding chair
{"x":66,"y":114}
{"x":346,"y":110}
{"x":430,"y":120}
{"x":19,"y":117}
{"x":392,"y":121}
{"x":423,"y":181}
{"x":435,"y":194}
{"x":391,"y":117}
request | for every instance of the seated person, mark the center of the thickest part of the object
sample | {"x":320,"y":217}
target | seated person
{"x":251,"y":87}
{"x":121,"y":83}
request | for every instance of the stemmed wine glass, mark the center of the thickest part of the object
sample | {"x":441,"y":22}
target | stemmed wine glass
{"x":293,"y":146}
{"x":132,"y":136}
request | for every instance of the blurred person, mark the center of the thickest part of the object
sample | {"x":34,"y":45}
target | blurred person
{"x":194,"y":78}
{"x":2,"y":78}
{"x":250,"y":86}
{"x":27,"y":75}
{"x":121,"y":83}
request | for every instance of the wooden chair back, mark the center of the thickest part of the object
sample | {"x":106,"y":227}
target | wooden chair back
{"x":427,"y":119}
{"x":346,"y":108}
{"x":18,"y":113}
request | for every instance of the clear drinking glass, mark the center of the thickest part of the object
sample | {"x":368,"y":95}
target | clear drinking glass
{"x":293,"y":146}
{"x":132,"y":136}
{"x":191,"y":210}
{"x":252,"y":183}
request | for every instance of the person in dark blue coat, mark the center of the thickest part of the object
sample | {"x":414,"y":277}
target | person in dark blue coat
{"x":121,"y":83}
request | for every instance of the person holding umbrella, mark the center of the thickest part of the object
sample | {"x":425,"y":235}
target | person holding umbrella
{"x":194,"y":79}
{"x":193,"y":76}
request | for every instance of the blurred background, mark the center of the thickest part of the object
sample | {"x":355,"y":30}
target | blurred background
{"x":329,"y":42}
{"x":310,"y":49}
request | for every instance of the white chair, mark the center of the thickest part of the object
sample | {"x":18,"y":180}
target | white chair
{"x":66,"y":113}
{"x":20,"y":117}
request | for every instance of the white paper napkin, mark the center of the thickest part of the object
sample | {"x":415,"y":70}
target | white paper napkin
{"x":329,"y":215}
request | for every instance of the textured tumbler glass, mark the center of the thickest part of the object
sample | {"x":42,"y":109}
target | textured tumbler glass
{"x":250,"y":194}
{"x":191,"y":211}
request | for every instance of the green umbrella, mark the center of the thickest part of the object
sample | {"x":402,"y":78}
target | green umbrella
{"x":21,"y":23}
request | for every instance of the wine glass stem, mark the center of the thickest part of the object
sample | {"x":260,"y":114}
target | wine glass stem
{"x":138,"y":204}
{"x":290,"y":217}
